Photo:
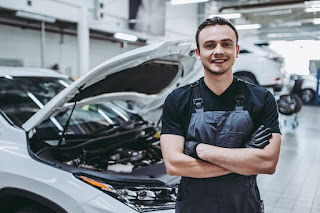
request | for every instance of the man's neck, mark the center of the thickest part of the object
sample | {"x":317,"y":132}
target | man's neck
{"x":218,"y":83}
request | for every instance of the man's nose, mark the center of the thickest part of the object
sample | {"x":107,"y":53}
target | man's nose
{"x":218,"y":49}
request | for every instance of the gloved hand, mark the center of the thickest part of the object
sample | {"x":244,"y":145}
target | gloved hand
{"x":190,"y":149}
{"x":260,"y":138}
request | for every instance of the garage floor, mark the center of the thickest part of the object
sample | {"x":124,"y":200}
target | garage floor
{"x":295,"y":187}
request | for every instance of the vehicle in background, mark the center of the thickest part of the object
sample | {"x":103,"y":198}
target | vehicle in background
{"x":258,"y":64}
{"x":69,"y":147}
{"x":308,"y":88}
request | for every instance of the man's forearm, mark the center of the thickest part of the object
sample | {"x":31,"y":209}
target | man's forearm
{"x":179,"y":164}
{"x":245,"y":161}
{"x":183,"y":165}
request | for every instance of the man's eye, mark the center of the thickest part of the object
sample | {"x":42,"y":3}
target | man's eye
{"x":226,"y":44}
{"x":209,"y":45}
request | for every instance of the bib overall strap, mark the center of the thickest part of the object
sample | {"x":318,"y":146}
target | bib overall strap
{"x":197,"y":100}
{"x":240,"y":98}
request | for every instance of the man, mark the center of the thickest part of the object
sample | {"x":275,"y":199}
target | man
{"x":219,"y":132}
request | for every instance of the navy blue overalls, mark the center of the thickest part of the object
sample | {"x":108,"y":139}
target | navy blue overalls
{"x":232,"y":193}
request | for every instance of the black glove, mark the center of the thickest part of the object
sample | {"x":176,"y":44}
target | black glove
{"x":260,"y":138}
{"x":190,"y":149}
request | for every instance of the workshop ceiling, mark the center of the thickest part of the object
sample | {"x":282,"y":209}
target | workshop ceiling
{"x":279,"y":19}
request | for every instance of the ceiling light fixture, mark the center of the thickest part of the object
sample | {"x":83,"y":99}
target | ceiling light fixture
{"x":277,"y":24}
{"x":248,"y":26}
{"x":34,"y":16}
{"x":316,"y":21}
{"x":176,"y":2}
{"x":228,"y":15}
{"x":126,"y":37}
{"x":312,"y":10}
{"x":312,"y":3}
{"x":273,"y":13}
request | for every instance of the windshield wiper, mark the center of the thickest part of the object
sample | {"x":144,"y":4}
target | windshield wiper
{"x":62,"y":138}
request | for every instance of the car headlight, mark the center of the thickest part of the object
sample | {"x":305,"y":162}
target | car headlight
{"x":140,"y":198}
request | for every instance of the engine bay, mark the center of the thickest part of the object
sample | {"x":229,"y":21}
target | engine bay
{"x":121,"y":151}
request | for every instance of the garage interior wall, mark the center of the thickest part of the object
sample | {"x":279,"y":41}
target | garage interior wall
{"x":25,"y":44}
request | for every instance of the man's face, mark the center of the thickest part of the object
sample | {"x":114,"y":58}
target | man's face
{"x":217,"y":49}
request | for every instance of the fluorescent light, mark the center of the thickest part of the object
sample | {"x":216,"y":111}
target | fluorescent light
{"x":274,"y":35}
{"x":273,"y":13}
{"x":124,"y":36}
{"x":8,"y":77}
{"x":35,"y":16}
{"x":312,"y":3}
{"x":286,"y":24}
{"x":316,"y":21}
{"x":312,"y":10}
{"x":248,"y":26}
{"x":176,"y":2}
{"x":227,"y":15}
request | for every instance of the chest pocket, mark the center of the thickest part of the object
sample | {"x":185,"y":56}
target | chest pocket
{"x":238,"y":129}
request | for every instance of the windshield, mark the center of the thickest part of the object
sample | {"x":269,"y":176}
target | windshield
{"x":21,"y":97}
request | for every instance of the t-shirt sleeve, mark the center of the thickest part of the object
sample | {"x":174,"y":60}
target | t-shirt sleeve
{"x":171,"y":117}
{"x":271,"y":114}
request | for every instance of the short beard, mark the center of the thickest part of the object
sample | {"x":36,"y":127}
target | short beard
{"x":214,"y":72}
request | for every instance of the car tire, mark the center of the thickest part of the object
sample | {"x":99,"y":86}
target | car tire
{"x":289,"y":104}
{"x":307,"y":95}
{"x":34,"y":209}
{"x":247,"y":78}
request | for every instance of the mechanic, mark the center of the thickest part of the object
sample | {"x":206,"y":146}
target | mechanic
{"x":219,"y":132}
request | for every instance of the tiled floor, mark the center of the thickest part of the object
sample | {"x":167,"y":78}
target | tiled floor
{"x":295,"y":187}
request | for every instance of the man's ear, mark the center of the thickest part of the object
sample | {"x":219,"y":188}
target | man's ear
{"x":198,"y":53}
{"x":238,"y":50}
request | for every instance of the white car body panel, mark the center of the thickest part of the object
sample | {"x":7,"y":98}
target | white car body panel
{"x":51,"y":183}
{"x":73,"y":194}
{"x":310,"y":82}
{"x":258,"y":63}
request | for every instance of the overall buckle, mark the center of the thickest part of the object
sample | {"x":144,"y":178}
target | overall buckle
{"x":197,"y":102}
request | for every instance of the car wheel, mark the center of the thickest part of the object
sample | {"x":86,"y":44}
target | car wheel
{"x":34,"y":209}
{"x":248,"y":78}
{"x":307,"y":95}
{"x":289,"y":104}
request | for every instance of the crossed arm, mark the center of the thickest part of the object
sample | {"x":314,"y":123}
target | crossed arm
{"x":180,"y":164}
{"x":218,"y":161}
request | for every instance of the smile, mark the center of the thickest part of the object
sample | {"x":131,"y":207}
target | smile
{"x":219,"y":61}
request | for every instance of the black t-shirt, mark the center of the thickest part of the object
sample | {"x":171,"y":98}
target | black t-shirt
{"x":259,"y":102}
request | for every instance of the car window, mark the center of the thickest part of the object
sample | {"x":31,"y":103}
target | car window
{"x":22,"y":97}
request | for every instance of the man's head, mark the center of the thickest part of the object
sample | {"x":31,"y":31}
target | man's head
{"x":215,"y":21}
{"x":217,"y":42}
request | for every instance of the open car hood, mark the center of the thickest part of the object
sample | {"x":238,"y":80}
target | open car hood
{"x":144,"y":76}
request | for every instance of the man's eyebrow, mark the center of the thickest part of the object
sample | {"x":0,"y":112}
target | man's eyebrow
{"x":227,"y":39}
{"x":209,"y":41}
{"x":223,"y":40}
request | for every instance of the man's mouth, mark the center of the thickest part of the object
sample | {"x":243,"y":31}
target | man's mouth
{"x":219,"y":60}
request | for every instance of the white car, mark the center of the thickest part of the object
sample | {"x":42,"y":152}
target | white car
{"x":69,"y":147}
{"x":260,"y":65}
